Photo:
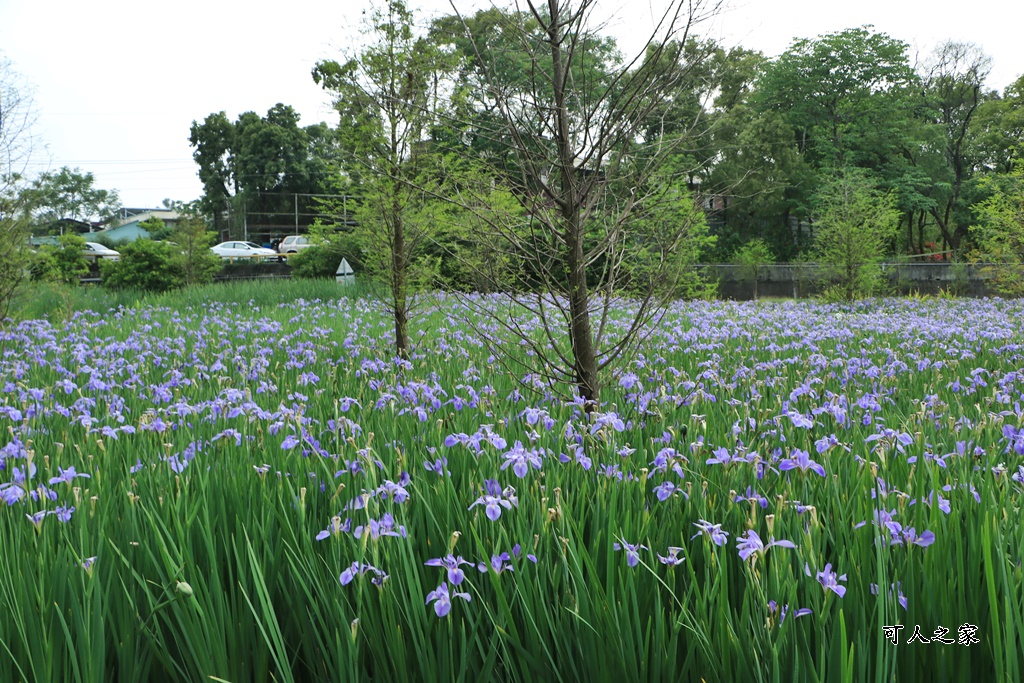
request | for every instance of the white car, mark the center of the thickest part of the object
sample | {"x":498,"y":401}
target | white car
{"x":245,"y":250}
{"x":94,"y":251}
{"x":293,"y":244}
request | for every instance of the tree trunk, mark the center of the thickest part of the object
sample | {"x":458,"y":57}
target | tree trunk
{"x":920,"y":231}
{"x":398,"y":284}
{"x":909,"y":230}
{"x":581,"y":334}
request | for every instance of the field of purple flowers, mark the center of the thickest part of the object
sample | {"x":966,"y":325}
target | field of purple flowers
{"x":776,"y":491}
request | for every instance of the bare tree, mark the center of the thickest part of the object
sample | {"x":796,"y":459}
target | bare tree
{"x":608,"y":223}
{"x":17,"y":115}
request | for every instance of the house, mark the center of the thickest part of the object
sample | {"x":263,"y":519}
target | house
{"x":127,"y":226}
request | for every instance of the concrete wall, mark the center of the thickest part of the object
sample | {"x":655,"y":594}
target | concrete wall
{"x":801,"y":280}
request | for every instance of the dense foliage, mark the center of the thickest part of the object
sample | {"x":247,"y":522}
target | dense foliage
{"x":64,"y":262}
{"x":145,"y":264}
{"x":262,"y":492}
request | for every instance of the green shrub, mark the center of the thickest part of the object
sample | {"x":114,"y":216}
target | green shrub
{"x":63,"y":263}
{"x":145,"y":264}
{"x":322,"y":259}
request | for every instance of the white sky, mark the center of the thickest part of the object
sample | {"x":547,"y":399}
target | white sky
{"x":118,"y":82}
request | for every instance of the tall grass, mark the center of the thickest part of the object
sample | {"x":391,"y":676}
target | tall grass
{"x":59,"y":302}
{"x":279,"y":413}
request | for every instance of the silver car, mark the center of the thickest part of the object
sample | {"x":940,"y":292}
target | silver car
{"x":243,"y":250}
{"x":293,"y":244}
{"x":94,"y":251}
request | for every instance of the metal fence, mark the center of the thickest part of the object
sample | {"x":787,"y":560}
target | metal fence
{"x":799,"y":280}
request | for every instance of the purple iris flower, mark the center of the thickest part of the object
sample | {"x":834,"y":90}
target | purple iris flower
{"x":751,"y":543}
{"x":37,"y":518}
{"x":723,"y":457}
{"x":11,"y":494}
{"x":518,"y":549}
{"x":829,"y":580}
{"x":396,"y":491}
{"x":359,"y":568}
{"x":892,"y":588}
{"x":632,"y":551}
{"x":452,"y":564}
{"x":673,"y":558}
{"x":68,"y":475}
{"x":826,"y":443}
{"x":1015,"y":437}
{"x":801,"y":460}
{"x":800,"y":420}
{"x":665,"y":490}
{"x":522,"y":459}
{"x":385,"y":526}
{"x":910,"y":536}
{"x":453,"y":440}
{"x":438,"y":467}
{"x":335,"y":527}
{"x":499,"y":563}
{"x":495,"y":498}
{"x":442,"y":599}
{"x":712,"y":531}
{"x":752,"y":496}
{"x":601,"y":420}
{"x":1018,"y":476}
{"x":20,"y":477}
{"x":773,"y":609}
{"x":346,"y":403}
{"x":533,"y":416}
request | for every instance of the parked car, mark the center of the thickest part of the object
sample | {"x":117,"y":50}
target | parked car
{"x":232,"y":250}
{"x":94,"y":251}
{"x":293,"y":244}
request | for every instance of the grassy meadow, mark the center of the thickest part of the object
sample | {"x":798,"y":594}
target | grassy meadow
{"x":243,"y":484}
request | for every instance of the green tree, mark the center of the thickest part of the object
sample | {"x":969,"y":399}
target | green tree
{"x":752,"y":258}
{"x":999,"y":231}
{"x":999,"y":129}
{"x":387,"y":96}
{"x":156,"y":228}
{"x":257,"y":164}
{"x":17,"y":114}
{"x":844,"y":94}
{"x":69,"y":195}
{"x":198,"y":264}
{"x":851,"y":100}
{"x":853,"y":225}
{"x":756,"y":165}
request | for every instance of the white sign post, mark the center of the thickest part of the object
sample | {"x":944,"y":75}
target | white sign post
{"x":344,"y":275}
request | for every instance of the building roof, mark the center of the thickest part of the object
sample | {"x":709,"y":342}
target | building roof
{"x":138,"y":215}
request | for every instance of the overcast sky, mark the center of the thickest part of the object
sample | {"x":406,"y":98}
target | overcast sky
{"x":119,"y":82}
